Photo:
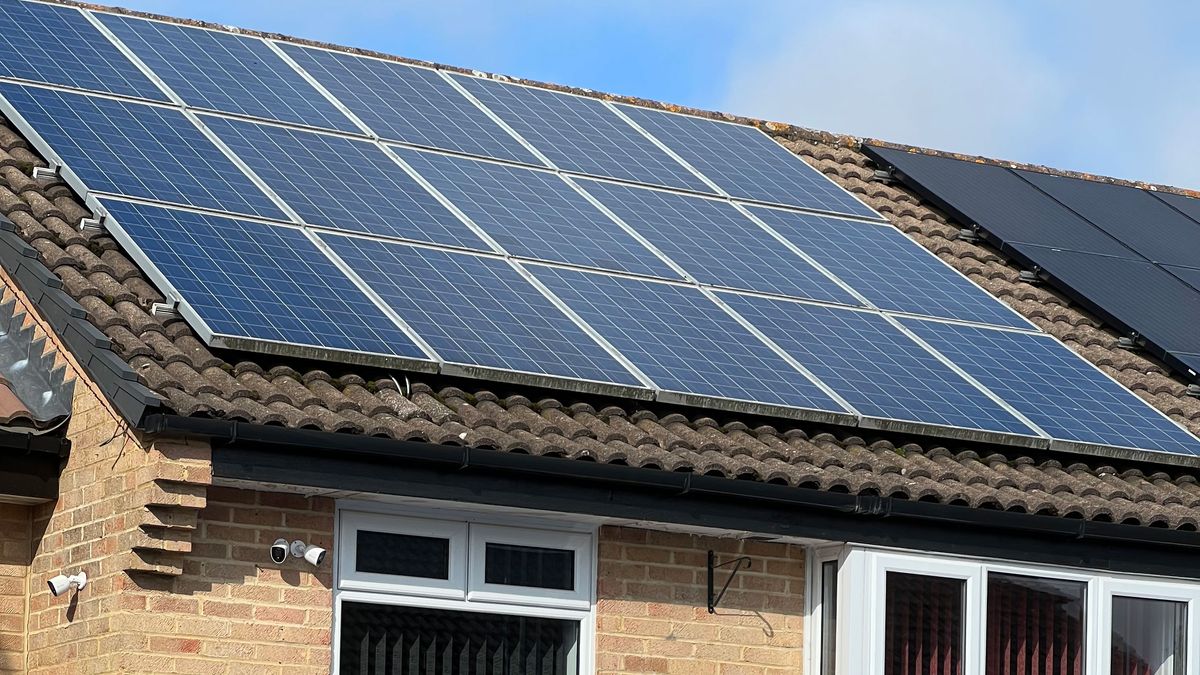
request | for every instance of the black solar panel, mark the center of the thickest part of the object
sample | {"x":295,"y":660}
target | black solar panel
{"x":1189,"y":206}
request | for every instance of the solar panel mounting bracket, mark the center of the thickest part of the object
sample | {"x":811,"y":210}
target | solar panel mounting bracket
{"x":165,"y":310}
{"x":93,"y":224}
{"x":52,"y":172}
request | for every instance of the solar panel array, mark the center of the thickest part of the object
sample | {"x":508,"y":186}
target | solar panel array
{"x":1130,"y":255}
{"x":330,"y":205}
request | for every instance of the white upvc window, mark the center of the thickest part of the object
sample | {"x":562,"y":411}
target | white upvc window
{"x":925,"y":614}
{"x":432,"y":592}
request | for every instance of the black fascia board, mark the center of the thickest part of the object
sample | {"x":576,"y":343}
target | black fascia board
{"x":323,"y":460}
{"x":30,"y":464}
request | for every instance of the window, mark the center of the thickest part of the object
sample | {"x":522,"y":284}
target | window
{"x":914,"y":614}
{"x":433,"y":596}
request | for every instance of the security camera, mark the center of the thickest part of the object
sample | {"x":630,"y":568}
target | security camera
{"x":63,"y":583}
{"x":314,"y":555}
{"x":279,"y":551}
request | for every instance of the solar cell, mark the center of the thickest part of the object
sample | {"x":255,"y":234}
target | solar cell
{"x":478,"y":310}
{"x":1188,"y":206}
{"x":716,"y":243}
{"x":263,"y":282}
{"x":745,"y":162}
{"x":1056,"y":389}
{"x":682,"y":340}
{"x":57,"y":44}
{"x":888,"y":268}
{"x":137,"y":150}
{"x":1190,"y":275}
{"x":1000,"y":202}
{"x":1133,"y":216}
{"x":535,"y":214}
{"x":226,"y":72}
{"x":874,"y":366}
{"x":342,"y":183}
{"x":581,"y":134}
{"x":409,"y":104}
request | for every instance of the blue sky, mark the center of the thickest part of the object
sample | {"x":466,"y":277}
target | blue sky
{"x":1092,"y":85}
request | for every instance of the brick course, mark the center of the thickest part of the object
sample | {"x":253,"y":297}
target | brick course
{"x":15,"y":551}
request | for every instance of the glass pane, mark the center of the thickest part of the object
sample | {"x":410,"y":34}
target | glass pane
{"x":828,"y":617}
{"x":392,"y":640}
{"x":1148,"y":637}
{"x":1034,"y":626}
{"x":531,"y":566}
{"x":403,"y":554}
{"x":923,"y":632}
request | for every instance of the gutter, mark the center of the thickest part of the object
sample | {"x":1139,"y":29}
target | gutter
{"x":669,"y":490}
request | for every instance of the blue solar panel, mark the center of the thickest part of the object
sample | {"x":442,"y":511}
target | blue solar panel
{"x":409,"y":104}
{"x":259,"y":281}
{"x":888,"y":268}
{"x":716,"y":243}
{"x":56,"y":44}
{"x":535,"y":214}
{"x":683,"y":341}
{"x":138,"y":150}
{"x":226,"y":72}
{"x":478,"y":310}
{"x":342,"y":183}
{"x":746,"y":163}
{"x":581,"y":134}
{"x":874,"y":366}
{"x":1055,"y":388}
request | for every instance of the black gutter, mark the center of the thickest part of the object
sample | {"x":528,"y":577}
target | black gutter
{"x":316,"y":459}
{"x":30,"y":465}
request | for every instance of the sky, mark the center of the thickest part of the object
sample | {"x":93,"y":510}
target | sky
{"x":1102,"y":86}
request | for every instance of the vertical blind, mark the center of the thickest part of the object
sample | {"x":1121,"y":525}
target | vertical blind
{"x":1034,"y":626}
{"x":394,"y":640}
{"x":1149,"y":637}
{"x":923,"y":626}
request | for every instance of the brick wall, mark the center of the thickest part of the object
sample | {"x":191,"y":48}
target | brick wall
{"x":652,"y":615}
{"x":15,"y":551}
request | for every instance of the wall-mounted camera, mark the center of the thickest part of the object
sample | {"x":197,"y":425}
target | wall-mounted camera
{"x":281,"y":549}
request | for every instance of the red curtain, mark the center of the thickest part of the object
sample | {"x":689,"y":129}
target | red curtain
{"x":923,"y":630}
{"x":1034,"y":626}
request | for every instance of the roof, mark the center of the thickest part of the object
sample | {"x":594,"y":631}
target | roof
{"x":165,"y":355}
{"x":35,"y":392}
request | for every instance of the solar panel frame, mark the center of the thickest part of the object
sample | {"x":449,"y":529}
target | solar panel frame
{"x":894,"y":381}
{"x":271,"y":267}
{"x":226,"y":72}
{"x":343,"y":183}
{"x":452,"y":299}
{"x":174,"y":149}
{"x":651,"y":322}
{"x":535,"y":213}
{"x":79,"y":55}
{"x":1018,"y":365}
{"x":565,"y":122}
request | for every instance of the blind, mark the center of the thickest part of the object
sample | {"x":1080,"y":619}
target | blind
{"x":923,"y":629}
{"x":1034,"y":626}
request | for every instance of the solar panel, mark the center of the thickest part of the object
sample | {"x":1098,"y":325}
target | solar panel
{"x":1000,"y":202}
{"x":746,"y":163}
{"x":1188,"y":206}
{"x":226,"y":72}
{"x":581,"y":134}
{"x":1189,"y":275}
{"x":263,"y":282}
{"x":1133,"y":216}
{"x":716,"y":243}
{"x":682,"y":340}
{"x":478,"y":310}
{"x":409,"y":104}
{"x":343,"y":183}
{"x":535,"y":214}
{"x":137,"y":150}
{"x":889,"y":269}
{"x":874,"y":366}
{"x":58,"y":45}
{"x":1053,"y":387}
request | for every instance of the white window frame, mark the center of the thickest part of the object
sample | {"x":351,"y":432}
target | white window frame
{"x":466,"y":591}
{"x":862,"y":575}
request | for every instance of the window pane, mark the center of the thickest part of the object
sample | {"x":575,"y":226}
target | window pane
{"x":1034,"y":625}
{"x":392,"y":640}
{"x":1148,"y":637}
{"x":923,"y":632}
{"x":828,"y":617}
{"x":514,"y":565}
{"x":403,"y":554}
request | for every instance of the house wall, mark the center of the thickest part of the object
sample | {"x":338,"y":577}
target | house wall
{"x":652,"y":614}
{"x":15,"y":549}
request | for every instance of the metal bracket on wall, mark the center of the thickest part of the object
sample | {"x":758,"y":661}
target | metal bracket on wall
{"x":739,"y":563}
